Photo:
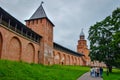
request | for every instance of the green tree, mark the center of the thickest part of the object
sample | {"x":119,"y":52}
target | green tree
{"x":103,"y":36}
{"x":116,"y":47}
{"x":115,"y":44}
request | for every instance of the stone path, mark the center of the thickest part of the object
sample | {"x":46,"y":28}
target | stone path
{"x":87,"y":76}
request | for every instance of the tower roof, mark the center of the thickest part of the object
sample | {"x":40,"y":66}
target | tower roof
{"x":82,"y":33}
{"x":40,"y":13}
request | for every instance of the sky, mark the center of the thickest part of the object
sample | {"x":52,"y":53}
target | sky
{"x":68,"y":16}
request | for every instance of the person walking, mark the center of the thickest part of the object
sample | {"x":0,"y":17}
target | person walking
{"x":95,"y":71}
{"x":91,"y":71}
{"x":98,"y":71}
{"x":101,"y":71}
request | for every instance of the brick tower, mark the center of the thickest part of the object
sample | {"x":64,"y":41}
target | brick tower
{"x":40,"y":23}
{"x":82,"y":48}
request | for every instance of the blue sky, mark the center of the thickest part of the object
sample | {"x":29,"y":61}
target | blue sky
{"x":69,"y":16}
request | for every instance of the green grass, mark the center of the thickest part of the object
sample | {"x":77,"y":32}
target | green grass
{"x":115,"y":75}
{"x":10,"y":70}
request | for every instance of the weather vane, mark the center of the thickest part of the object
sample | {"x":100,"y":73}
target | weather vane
{"x":41,"y":2}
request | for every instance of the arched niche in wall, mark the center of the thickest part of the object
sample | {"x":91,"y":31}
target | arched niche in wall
{"x":29,"y":53}
{"x":64,"y":59}
{"x":14,"y":49}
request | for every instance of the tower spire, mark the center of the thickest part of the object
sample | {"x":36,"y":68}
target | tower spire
{"x":41,"y":2}
{"x":39,"y":13}
{"x":82,"y":33}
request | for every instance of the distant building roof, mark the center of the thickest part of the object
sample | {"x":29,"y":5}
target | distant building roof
{"x":64,"y":49}
{"x":40,"y":13}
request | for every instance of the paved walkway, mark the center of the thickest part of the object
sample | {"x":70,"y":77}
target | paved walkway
{"x":87,"y":76}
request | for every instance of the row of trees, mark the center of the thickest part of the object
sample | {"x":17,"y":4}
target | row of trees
{"x":104,"y":37}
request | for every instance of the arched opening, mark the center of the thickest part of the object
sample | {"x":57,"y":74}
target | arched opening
{"x":78,"y":61}
{"x":14,"y":49}
{"x":59,"y":62}
{"x":53,"y":57}
{"x":72,"y":60}
{"x":64,"y":59}
{"x":29,"y":54}
{"x":68,"y":60}
{"x":1,"y":41}
{"x":75,"y":58}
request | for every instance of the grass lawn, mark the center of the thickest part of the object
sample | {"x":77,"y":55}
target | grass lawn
{"x":10,"y":70}
{"x":115,"y":75}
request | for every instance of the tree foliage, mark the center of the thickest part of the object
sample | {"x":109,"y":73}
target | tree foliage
{"x":104,"y":37}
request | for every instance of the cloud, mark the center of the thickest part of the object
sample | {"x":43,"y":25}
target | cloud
{"x":69,"y":16}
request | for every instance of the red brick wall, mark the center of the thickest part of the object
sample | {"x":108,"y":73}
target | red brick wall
{"x":17,"y":47}
{"x":60,"y":57}
{"x":44,"y":28}
{"x":14,"y":46}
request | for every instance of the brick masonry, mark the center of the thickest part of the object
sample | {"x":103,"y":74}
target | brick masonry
{"x":14,"y":46}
